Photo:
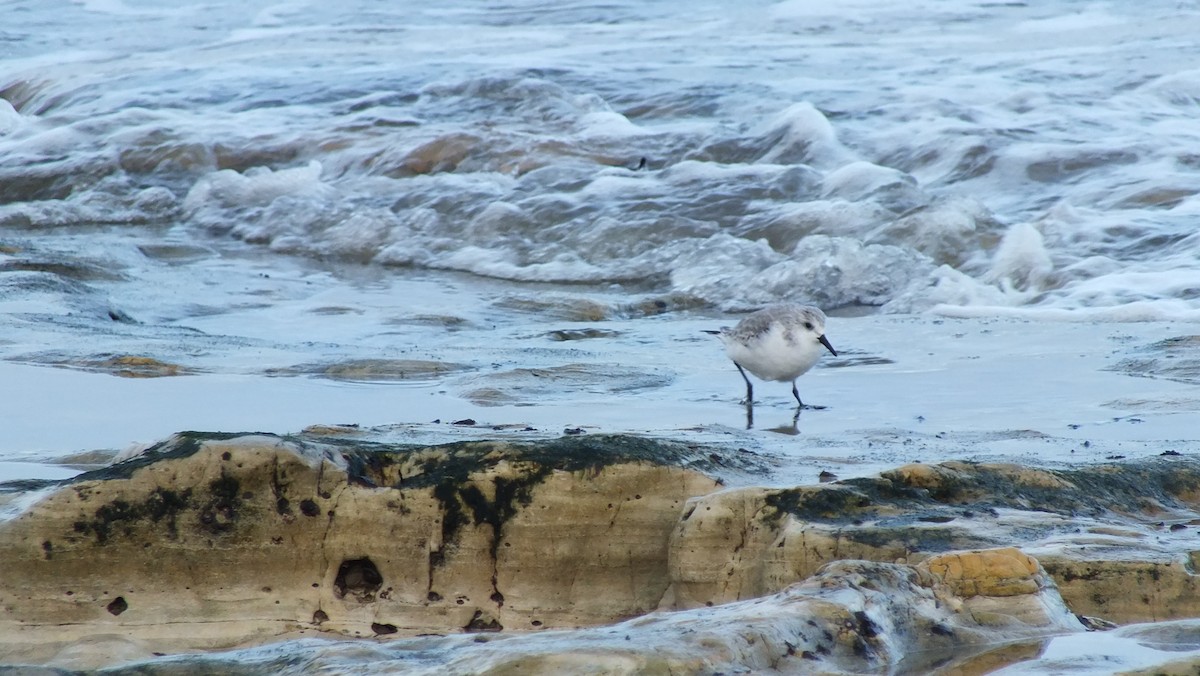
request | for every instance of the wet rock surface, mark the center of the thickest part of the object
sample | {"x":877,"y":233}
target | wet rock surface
{"x":122,"y":365}
{"x":854,"y":616}
{"x":1176,"y":358}
{"x":1100,"y":531}
{"x":528,"y":385}
{"x":374,"y":370}
{"x":211,"y":541}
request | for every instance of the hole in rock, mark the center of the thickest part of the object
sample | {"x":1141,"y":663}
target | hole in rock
{"x":309,"y":508}
{"x":117,"y":605}
{"x":359,"y":578}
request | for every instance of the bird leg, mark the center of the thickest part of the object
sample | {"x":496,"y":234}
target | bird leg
{"x":749,"y":387}
{"x":802,"y":405}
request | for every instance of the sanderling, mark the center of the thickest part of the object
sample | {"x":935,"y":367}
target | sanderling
{"x":779,"y":342}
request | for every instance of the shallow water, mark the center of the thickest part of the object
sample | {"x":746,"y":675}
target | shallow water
{"x":265,"y":216}
{"x":406,"y":357}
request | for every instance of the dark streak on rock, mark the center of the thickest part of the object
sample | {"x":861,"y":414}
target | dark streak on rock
{"x":161,"y":505}
{"x":866,"y":627}
{"x":816,"y":503}
{"x":166,"y":504}
{"x":283,"y":506}
{"x":478,"y":623}
{"x":219,"y":515}
{"x":939,"y":496}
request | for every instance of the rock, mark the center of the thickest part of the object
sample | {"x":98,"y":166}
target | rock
{"x":851,"y":617}
{"x":123,"y":366}
{"x":527,"y":386}
{"x":375,"y":370}
{"x":207,"y":541}
{"x":132,"y":366}
{"x":559,"y":306}
{"x":1088,"y":527}
{"x":581,"y":334}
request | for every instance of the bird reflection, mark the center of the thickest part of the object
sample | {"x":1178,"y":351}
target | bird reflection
{"x":789,"y":429}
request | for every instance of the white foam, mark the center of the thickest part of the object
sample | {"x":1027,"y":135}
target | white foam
{"x":837,"y":271}
{"x":948,"y":289}
{"x":359,"y":236}
{"x":566,"y":267}
{"x":832,"y":217}
{"x":10,"y":119}
{"x":608,"y":124}
{"x":988,"y":305}
{"x":1021,"y":262}
{"x":257,"y":187}
{"x":858,"y":180}
{"x":804,"y":132}
{"x":953,"y":232}
{"x":690,"y":173}
{"x":720,"y":267}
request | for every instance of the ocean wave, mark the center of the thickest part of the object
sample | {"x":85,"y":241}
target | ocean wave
{"x":960,"y":159}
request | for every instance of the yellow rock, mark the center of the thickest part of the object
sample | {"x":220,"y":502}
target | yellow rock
{"x":210,"y":542}
{"x":995,"y":572}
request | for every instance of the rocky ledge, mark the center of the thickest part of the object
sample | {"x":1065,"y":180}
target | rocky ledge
{"x":214,"y":541}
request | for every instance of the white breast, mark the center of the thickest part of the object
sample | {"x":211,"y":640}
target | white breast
{"x":772,"y":356}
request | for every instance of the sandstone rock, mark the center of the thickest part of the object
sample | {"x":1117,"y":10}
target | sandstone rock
{"x":528,"y":385}
{"x":375,"y":370}
{"x":209,"y":541}
{"x":122,"y":365}
{"x":1094,"y":529}
{"x":852,"y":617}
{"x":213,"y":540}
{"x":132,"y":366}
{"x":970,"y":574}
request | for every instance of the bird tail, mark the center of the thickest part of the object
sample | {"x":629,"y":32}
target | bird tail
{"x":715,"y":333}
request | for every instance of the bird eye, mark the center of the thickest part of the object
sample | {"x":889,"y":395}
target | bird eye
{"x":808,"y":325}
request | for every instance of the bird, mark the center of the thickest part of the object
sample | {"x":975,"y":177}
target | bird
{"x":779,"y":342}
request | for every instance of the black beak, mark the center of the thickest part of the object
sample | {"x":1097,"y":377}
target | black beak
{"x":825,"y":341}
